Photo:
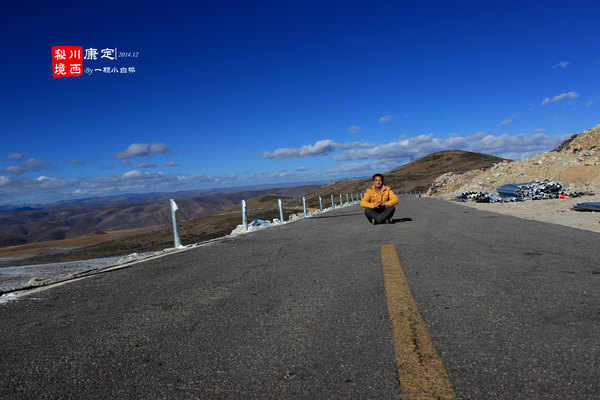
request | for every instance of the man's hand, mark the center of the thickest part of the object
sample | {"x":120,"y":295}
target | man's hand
{"x":379,"y":204}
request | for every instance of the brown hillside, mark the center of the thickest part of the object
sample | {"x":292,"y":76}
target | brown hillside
{"x":32,"y":226}
{"x":416,"y":176}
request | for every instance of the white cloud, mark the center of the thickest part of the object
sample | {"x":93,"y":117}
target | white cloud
{"x":520,"y":144}
{"x":408,"y":149}
{"x":16,"y":156}
{"x":76,"y":162}
{"x":270,"y":177}
{"x":132,"y":174}
{"x":352,"y":145}
{"x":136,"y":181}
{"x":36,"y":165}
{"x":146,"y":165}
{"x":561,"y":65}
{"x":505,"y":122}
{"x":562,"y":96}
{"x":142,"y":150}
{"x":363,"y":168}
{"x":354,"y":129}
{"x":589,"y":103}
{"x":12,"y":187}
{"x":301,"y":169}
{"x":158,"y":148}
{"x":320,"y":148}
{"x":385,"y":119}
{"x":349,"y":168}
{"x":135,"y":174}
{"x":171,"y":164}
{"x":207,"y":180}
{"x":404,"y":148}
{"x":15,"y":169}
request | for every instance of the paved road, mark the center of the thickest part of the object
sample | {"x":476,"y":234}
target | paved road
{"x":299,"y":311}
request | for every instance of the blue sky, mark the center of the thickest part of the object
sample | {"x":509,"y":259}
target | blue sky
{"x":232,"y":93}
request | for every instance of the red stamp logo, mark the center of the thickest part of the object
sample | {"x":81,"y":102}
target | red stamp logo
{"x":67,"y":61}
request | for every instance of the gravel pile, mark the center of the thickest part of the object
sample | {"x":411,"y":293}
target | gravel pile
{"x":520,"y":192}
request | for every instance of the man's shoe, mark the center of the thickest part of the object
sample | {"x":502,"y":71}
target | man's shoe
{"x":389,"y":221}
{"x":376,"y":221}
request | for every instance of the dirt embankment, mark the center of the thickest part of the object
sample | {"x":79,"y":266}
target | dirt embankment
{"x":576,"y":164}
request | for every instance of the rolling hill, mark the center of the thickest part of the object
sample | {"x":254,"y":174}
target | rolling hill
{"x":416,"y":176}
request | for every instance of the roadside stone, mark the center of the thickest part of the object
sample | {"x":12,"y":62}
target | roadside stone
{"x":37,"y":280}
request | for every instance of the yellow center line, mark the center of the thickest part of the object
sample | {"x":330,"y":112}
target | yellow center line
{"x":420,"y":369}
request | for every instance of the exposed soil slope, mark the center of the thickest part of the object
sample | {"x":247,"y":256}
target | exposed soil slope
{"x":575,"y":163}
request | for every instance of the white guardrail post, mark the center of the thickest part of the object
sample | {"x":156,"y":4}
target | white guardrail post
{"x":174,"y":209}
{"x":340,"y":200}
{"x":352,"y":197}
{"x":280,"y":210}
{"x":244,"y":216}
{"x":320,"y":204}
{"x":304,"y":205}
{"x":332,"y":203}
{"x":347,"y":198}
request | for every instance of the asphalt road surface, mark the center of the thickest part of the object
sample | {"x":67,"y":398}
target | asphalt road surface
{"x":300,"y":311}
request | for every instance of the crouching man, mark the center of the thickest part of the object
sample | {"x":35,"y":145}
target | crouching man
{"x":379,"y":201}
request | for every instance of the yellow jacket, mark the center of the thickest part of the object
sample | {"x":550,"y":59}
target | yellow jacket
{"x":373,"y":196}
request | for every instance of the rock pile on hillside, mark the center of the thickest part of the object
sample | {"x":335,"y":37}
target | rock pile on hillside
{"x":576,"y":164}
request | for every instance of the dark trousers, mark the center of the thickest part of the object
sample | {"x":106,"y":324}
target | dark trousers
{"x":380,"y":213}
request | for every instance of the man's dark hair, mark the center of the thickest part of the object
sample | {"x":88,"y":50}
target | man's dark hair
{"x":376,"y":175}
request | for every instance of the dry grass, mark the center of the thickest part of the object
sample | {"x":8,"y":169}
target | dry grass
{"x":70,"y":243}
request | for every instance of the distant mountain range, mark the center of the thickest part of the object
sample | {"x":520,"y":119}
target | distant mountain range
{"x":145,"y":197}
{"x":77,"y":218}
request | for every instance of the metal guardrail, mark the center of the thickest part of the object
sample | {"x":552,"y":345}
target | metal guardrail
{"x":174,"y":219}
{"x":246,"y":225}
{"x":305,"y":212}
